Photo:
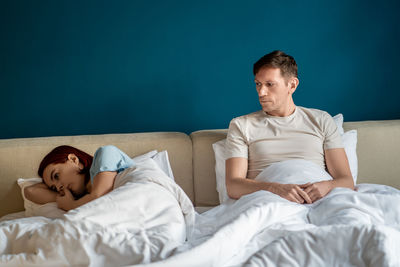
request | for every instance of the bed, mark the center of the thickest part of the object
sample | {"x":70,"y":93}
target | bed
{"x":260,"y":229}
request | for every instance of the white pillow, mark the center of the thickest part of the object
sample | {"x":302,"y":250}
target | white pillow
{"x":51,"y":210}
{"x":161,"y":158}
{"x":149,"y":154}
{"x":219,"y":152}
{"x":339,"y":122}
{"x":349,"y":141}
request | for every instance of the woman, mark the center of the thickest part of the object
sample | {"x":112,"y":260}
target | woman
{"x":72,"y":177}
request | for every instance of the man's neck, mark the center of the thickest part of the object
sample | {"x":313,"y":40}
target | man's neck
{"x":283,"y":113}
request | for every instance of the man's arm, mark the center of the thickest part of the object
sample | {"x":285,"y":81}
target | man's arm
{"x":338,"y":167}
{"x":238,"y":185}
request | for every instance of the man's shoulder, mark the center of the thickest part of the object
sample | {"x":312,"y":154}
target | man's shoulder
{"x":250,"y":116}
{"x":313,"y":112}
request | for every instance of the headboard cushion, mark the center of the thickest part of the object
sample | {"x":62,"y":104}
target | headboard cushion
{"x":378,"y":151}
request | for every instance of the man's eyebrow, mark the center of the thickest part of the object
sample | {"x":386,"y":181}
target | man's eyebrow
{"x":267,"y":81}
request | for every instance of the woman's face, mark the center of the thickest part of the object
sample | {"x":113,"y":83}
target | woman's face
{"x":58,"y":176}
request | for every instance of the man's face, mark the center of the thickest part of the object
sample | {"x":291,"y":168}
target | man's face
{"x":274,"y":91}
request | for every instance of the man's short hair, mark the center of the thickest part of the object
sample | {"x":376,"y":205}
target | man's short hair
{"x":280,"y":60}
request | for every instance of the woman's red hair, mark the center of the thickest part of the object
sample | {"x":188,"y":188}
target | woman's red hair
{"x":60,"y":155}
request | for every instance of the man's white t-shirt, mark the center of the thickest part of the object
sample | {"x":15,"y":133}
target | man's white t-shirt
{"x":266,"y":139}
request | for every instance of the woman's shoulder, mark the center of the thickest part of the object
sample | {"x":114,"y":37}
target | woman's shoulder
{"x":107,"y":148}
{"x":109,"y":158}
{"x":110,"y":153}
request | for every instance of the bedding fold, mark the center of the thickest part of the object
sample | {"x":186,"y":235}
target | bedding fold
{"x":345,"y":228}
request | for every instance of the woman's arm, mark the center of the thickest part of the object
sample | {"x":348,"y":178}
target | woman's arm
{"x":103,"y":183}
{"x":40,"y":193}
{"x":107,"y":162}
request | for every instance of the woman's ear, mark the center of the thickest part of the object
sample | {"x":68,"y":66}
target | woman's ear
{"x":73,"y":158}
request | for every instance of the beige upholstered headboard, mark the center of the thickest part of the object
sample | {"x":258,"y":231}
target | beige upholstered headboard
{"x":192,"y":158}
{"x":378,"y":152}
{"x":21,"y":158}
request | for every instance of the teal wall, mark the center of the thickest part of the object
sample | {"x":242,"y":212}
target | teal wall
{"x":92,"y":67}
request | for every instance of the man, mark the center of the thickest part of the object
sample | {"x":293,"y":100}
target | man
{"x":283,"y":131}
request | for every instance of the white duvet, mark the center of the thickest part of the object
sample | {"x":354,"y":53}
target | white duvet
{"x":345,"y":228}
{"x":144,"y":219}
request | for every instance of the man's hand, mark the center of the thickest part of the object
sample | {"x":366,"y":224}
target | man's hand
{"x":292,"y":193}
{"x":317,"y":190}
{"x":238,"y":185}
{"x":65,"y":200}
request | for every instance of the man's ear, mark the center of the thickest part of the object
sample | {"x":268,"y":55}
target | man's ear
{"x":293,"y":83}
{"x":73,"y":158}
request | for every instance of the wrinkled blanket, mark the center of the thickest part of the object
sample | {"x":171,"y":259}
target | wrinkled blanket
{"x":345,"y":228}
{"x":144,"y":219}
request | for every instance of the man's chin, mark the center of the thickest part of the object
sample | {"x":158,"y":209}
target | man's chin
{"x":266,"y":108}
{"x":270,"y":111}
